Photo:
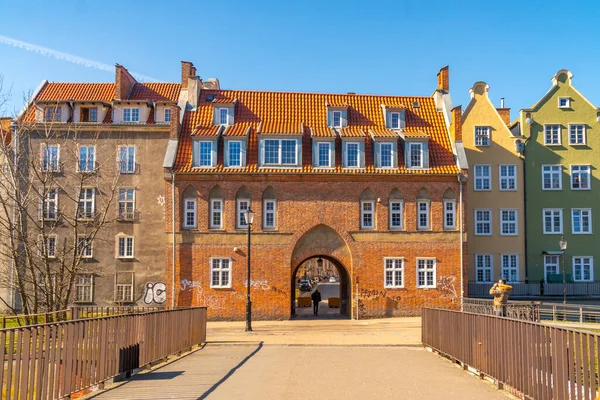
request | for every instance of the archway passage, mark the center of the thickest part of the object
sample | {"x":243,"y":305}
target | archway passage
{"x":327,"y":275}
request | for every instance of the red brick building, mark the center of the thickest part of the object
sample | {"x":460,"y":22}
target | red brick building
{"x":371,"y":183}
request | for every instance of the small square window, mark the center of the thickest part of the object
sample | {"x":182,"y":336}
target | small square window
{"x":336,"y":117}
{"x":564,"y":102}
{"x":482,"y":136}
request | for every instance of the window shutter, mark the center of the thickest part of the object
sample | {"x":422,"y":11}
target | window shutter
{"x":376,"y":152}
{"x":425,"y":154}
{"x":344,"y":118}
{"x":344,"y":155}
{"x":299,"y":152}
{"x":261,"y":152}
{"x":361,"y":154}
{"x":406,"y":154}
{"x":195,"y":152}
{"x":329,"y":118}
{"x":315,"y":155}
{"x":395,"y":154}
{"x":226,"y":153}
{"x":403,"y":119}
{"x":216,"y":116}
{"x":213,"y":151}
{"x":243,"y":153}
{"x":230,"y":115}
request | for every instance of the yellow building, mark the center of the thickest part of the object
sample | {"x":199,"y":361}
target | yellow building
{"x":495,"y":210}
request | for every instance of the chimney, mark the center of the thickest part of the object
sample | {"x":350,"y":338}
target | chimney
{"x":501,"y":102}
{"x":444,"y":80}
{"x":193,"y":92}
{"x":123,"y":83}
{"x":187,"y":70}
{"x":456,"y":127}
{"x":504,"y":114}
{"x":174,"y":125}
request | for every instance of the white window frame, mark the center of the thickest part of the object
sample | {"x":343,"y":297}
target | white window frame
{"x":87,"y":160}
{"x":505,"y":180}
{"x":391,"y":146}
{"x":190,"y":212}
{"x":266,"y":213}
{"x":425,"y":271}
{"x":48,"y":204}
{"x":477,"y":222}
{"x":452,"y":213}
{"x":129,"y":156}
{"x":482,"y":136}
{"x":240,"y":219}
{"x":230,"y":153}
{"x":551,"y":264}
{"x":580,"y":260}
{"x":581,"y":216}
{"x":552,"y":172}
{"x":560,"y":216}
{"x":84,"y":214}
{"x":481,"y":178}
{"x":573,"y":127}
{"x":126,"y":239}
{"x":400,"y":213}
{"x":484,"y":267}
{"x":329,"y":154}
{"x":364,"y":213}
{"x":214,"y":212}
{"x":126,"y":206}
{"x":568,"y":102}
{"x":51,"y":165}
{"x":347,"y":152}
{"x":280,"y":153}
{"x":132,"y":111}
{"x":508,"y":223}
{"x":333,"y":115}
{"x":167,"y":114}
{"x":220,"y":269}
{"x":580,"y":173}
{"x":508,"y":268}
{"x":79,"y":285}
{"x":552,"y":143}
{"x":198,"y":160}
{"x":426,"y":212}
{"x":85,"y":250}
{"x":393,"y":265}
{"x":221,"y":114}
{"x":421,"y":163}
{"x":45,"y":245}
{"x":397,"y":114}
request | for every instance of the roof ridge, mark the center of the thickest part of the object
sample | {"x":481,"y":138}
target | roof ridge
{"x":315,"y":93}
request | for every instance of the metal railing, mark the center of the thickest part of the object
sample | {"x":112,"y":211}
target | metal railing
{"x":52,"y":361}
{"x":524,"y":310}
{"x":539,"y":361}
{"x":477,"y":289}
{"x":80,"y":312}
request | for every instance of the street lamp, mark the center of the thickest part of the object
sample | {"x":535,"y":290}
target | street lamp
{"x":249,"y":216}
{"x":563,"y":247}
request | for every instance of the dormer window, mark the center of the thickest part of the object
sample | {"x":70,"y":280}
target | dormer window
{"x":223,"y":120}
{"x":204,"y":153}
{"x":52,"y":114}
{"x":564,"y":102}
{"x":235,"y":152}
{"x":131,"y":114}
{"x":337,"y":119}
{"x":280,"y":152}
{"x":353,"y":154}
{"x":415,"y":155}
{"x":386,"y":155}
{"x":224,"y":116}
{"x":167,"y":115}
{"x":395,"y":120}
{"x":88,"y":114}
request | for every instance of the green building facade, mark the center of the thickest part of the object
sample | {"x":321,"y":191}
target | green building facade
{"x":560,"y":136}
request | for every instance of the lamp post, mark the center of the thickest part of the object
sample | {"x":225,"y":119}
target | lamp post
{"x":249,"y":216}
{"x":563,"y":247}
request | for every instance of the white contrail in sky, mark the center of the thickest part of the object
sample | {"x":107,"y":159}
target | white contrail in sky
{"x":59,"y":55}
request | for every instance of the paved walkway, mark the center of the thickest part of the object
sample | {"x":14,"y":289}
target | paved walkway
{"x":376,"y":359}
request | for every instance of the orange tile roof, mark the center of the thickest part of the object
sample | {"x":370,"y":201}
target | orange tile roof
{"x":351,"y":131}
{"x":286,"y":111}
{"x":167,"y":92}
{"x":411,"y":132}
{"x":59,"y":91}
{"x":240,"y":129}
{"x":280,"y":127}
{"x":224,"y":100}
{"x":5,"y":129}
{"x":379,"y":132}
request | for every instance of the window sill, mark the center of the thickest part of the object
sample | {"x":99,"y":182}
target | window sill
{"x":507,"y":190}
{"x":424,"y":229}
{"x":394,"y":287}
{"x":553,"y":144}
{"x":577,"y":144}
{"x":509,"y":234}
{"x":553,"y":233}
{"x":125,"y":258}
{"x":221,"y":287}
{"x":580,"y":190}
{"x":581,"y":233}
{"x":426,"y":287}
{"x":215,"y":230}
{"x":482,"y":190}
{"x":551,"y":190}
{"x":482,"y":234}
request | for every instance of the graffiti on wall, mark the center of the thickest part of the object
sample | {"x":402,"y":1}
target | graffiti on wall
{"x":156,"y":292}
{"x":446,"y":286}
{"x":258,"y":285}
{"x":189,"y":285}
{"x":373,"y":294}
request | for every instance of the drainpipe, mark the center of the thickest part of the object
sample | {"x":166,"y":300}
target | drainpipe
{"x":462,"y":263}
{"x":174,"y":261}
{"x":522,"y":156}
{"x":12,"y":296}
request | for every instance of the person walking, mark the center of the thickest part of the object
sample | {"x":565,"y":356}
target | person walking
{"x":500,"y":291}
{"x":316,"y":298}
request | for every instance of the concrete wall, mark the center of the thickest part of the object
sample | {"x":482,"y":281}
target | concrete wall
{"x":481,"y":112}
{"x":329,"y":206}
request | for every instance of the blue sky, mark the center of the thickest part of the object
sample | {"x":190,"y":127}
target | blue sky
{"x":393,"y":47}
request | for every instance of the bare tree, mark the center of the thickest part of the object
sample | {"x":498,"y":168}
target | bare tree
{"x":59,"y":185}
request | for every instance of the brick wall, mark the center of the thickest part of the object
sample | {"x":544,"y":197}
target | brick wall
{"x":305,"y":202}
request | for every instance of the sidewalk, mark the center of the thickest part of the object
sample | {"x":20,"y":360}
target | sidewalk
{"x":336,"y":332}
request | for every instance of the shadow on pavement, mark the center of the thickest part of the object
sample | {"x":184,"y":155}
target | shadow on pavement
{"x":231,"y":372}
{"x":154,"y":376}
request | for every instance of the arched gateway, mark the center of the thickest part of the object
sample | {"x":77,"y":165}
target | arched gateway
{"x":323,"y":242}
